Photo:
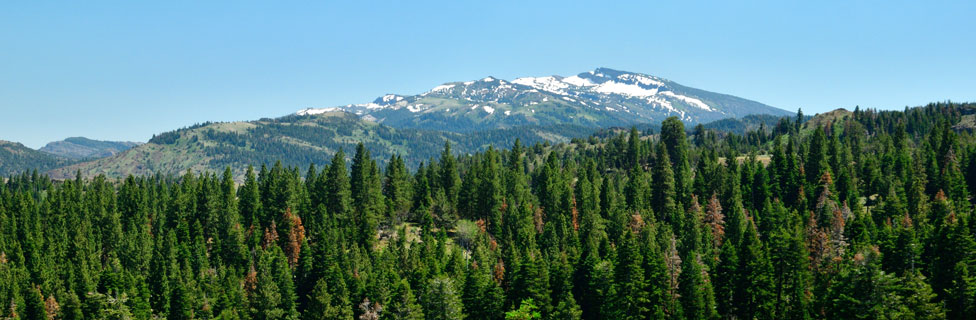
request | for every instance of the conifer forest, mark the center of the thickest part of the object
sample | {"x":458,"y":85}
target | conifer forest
{"x":866,"y":215}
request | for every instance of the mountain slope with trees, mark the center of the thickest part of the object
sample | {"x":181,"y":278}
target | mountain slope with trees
{"x":296,"y":141}
{"x":17,"y":158}
{"x":865,"y":216}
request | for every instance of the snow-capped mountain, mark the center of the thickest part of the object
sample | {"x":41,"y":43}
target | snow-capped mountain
{"x":602,"y":97}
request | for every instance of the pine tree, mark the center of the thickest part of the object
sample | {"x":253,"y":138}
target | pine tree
{"x":861,"y":288}
{"x":272,"y":299}
{"x":694,"y":283}
{"x":531,"y":281}
{"x":449,"y":181}
{"x":323,"y":305}
{"x":396,"y":188}
{"x":727,"y":272}
{"x":249,"y":198}
{"x":234,"y":249}
{"x":366,"y":196}
{"x":598,"y":285}
{"x":799,"y":120}
{"x":674,"y":138}
{"x":423,"y":199}
{"x":790,"y":268}
{"x":404,"y":305}
{"x":482,"y":297}
{"x":815,"y":163}
{"x":959,"y":300}
{"x":664,"y":196}
{"x":634,"y":150}
{"x":72,"y":307}
{"x":442,"y":301}
{"x":638,"y":192}
{"x":489,"y":198}
{"x":752,"y":282}
{"x":34,"y":304}
{"x":336,"y":189}
{"x":631,"y":301}
{"x":900,"y":252}
{"x":950,"y":244}
{"x":525,"y":311}
{"x":915,"y":299}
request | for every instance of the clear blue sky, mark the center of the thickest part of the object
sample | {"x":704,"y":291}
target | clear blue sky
{"x":122,"y":70}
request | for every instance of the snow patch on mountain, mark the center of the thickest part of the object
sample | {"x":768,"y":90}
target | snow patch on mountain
{"x":391,"y":98}
{"x":313,"y":111}
{"x":551,"y":84}
{"x":632,"y":90}
{"x":645,"y":80}
{"x":692,"y":101}
{"x":579,"y":82}
{"x":443,"y":87}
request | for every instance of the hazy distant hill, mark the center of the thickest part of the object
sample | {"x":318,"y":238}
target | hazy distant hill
{"x":84,"y":148}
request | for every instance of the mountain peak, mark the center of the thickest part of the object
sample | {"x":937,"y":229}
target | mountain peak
{"x":609,"y":71}
{"x":601,"y":97}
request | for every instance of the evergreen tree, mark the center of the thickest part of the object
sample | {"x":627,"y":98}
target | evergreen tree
{"x":366,"y":196}
{"x":323,"y":305}
{"x":815,"y":163}
{"x":396,"y":188}
{"x":335,"y":186}
{"x":634,"y":150}
{"x":674,"y":138}
{"x":449,"y":181}
{"x":664,"y":198}
{"x":249,"y":198}
{"x":631,"y":301}
{"x":790,"y":268}
{"x":442,"y":301}
{"x":404,"y":305}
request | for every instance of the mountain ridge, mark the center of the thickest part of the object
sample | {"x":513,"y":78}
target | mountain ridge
{"x":599,"y":98}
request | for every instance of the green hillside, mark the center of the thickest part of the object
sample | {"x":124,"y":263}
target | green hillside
{"x":17,"y":158}
{"x":298,"y":141}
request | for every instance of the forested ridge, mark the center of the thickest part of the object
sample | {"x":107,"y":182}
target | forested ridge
{"x":869,"y":215}
{"x":295,"y":141}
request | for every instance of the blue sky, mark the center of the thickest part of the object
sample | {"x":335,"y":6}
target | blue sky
{"x":125,"y":70}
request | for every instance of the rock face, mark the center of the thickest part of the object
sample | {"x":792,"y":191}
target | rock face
{"x":599,"y":98}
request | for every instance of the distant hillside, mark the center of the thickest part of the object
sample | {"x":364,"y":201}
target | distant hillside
{"x":84,"y":148}
{"x":741,"y":125}
{"x":16,"y":158}
{"x":827,"y":119}
{"x":297,"y":141}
